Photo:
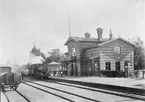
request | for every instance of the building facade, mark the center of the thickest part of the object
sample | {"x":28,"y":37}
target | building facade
{"x":88,"y":56}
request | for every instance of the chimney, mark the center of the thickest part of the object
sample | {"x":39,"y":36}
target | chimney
{"x":110,"y":35}
{"x":99,"y":31}
{"x":87,"y":35}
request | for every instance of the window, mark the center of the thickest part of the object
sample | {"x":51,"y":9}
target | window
{"x":96,"y":65}
{"x":73,"y":52}
{"x":117,"y":66}
{"x":73,"y":49}
{"x":117,"y":50}
{"x":108,"y":66}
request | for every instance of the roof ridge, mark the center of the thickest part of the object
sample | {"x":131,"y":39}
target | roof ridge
{"x":84,"y":39}
{"x":108,"y":41}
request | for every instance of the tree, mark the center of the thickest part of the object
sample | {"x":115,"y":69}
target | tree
{"x":139,"y":54}
{"x":46,"y":59}
{"x":56,"y":55}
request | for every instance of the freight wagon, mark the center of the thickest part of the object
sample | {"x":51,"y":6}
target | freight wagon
{"x":5,"y":69}
{"x":9,"y":79}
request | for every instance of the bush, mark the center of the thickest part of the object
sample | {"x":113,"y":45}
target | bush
{"x":112,"y":73}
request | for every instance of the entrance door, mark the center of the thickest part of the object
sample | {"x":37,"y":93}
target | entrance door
{"x":72,"y":70}
{"x":90,"y":68}
{"x":96,"y":67}
{"x":126,"y":63}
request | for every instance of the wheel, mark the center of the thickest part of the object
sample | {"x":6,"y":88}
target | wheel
{"x":3,"y":89}
{"x":15,"y":87}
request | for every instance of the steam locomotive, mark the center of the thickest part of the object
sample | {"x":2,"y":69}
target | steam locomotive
{"x":38,"y":72}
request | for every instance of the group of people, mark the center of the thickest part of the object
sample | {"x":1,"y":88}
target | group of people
{"x":57,"y":73}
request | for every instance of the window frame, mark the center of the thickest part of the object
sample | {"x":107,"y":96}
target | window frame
{"x":117,"y":49}
{"x":108,"y":66}
{"x":73,"y":51}
{"x":117,"y":65}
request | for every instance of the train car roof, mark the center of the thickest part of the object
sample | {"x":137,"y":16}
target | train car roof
{"x":4,"y":73}
{"x":5,"y":67}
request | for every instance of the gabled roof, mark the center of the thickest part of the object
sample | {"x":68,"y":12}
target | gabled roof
{"x":106,"y":42}
{"x":119,"y":38}
{"x":83,"y":39}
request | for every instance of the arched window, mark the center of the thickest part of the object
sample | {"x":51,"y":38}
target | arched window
{"x":117,"y":49}
{"x":108,"y":66}
{"x":73,"y":51}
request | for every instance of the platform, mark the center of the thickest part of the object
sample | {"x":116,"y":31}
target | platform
{"x":125,"y":82}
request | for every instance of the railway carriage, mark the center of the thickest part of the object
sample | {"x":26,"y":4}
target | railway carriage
{"x":9,"y":79}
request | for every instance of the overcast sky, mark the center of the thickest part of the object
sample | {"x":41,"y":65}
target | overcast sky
{"x":45,"y":22}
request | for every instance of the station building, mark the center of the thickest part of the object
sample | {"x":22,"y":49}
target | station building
{"x":88,"y":56}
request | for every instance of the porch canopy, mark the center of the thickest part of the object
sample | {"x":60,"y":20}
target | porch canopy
{"x":53,"y":66}
{"x":93,"y":57}
{"x":36,"y":60}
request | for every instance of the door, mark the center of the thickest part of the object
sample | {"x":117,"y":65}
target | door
{"x":72,"y":70}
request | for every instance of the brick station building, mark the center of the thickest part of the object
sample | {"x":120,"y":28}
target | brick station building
{"x":88,"y":56}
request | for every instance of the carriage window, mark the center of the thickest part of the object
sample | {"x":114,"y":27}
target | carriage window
{"x":108,"y":66}
{"x":117,"y":50}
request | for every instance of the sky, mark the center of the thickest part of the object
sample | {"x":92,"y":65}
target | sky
{"x":45,"y":23}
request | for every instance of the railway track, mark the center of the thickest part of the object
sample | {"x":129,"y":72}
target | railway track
{"x":19,"y":93}
{"x":69,"y":93}
{"x":6,"y":96}
{"x":35,"y":85}
{"x":22,"y":95}
{"x":48,"y":92}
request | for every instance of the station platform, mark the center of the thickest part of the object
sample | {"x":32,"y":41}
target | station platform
{"x":123,"y":82}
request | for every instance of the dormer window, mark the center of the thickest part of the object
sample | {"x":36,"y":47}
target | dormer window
{"x":117,"y":50}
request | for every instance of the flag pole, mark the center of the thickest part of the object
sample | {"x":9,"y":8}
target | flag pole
{"x":69,"y":24}
{"x":30,"y":58}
